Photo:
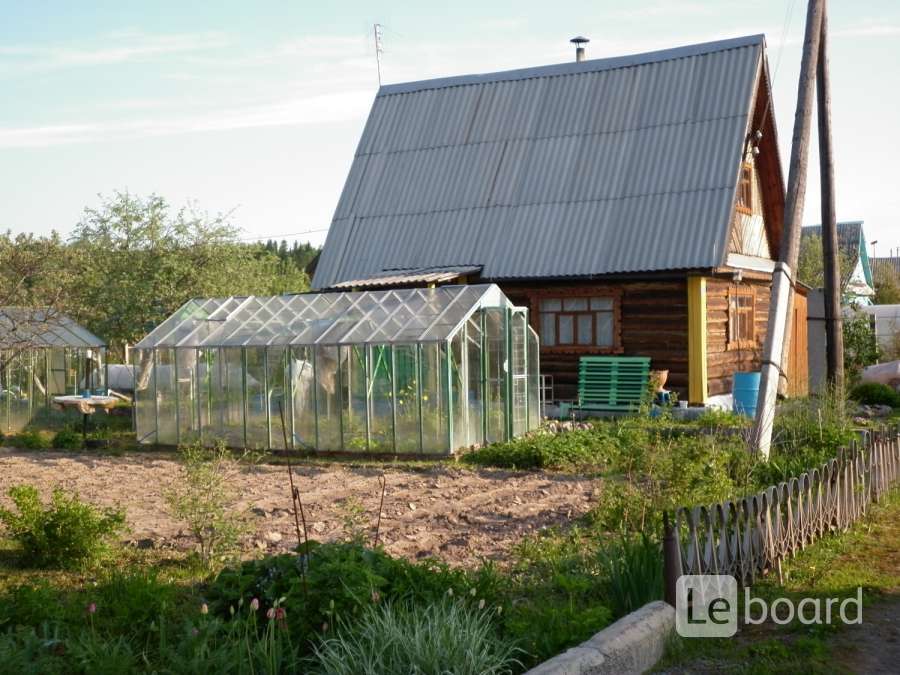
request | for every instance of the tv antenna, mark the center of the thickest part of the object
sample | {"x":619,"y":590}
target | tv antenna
{"x":379,"y":48}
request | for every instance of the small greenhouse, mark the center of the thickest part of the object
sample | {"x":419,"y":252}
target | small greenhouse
{"x":44,"y":354}
{"x":417,"y":371}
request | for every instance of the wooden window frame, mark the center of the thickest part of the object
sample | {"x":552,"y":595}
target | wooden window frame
{"x":536,"y":296}
{"x":735,"y":291}
{"x":744,"y":202}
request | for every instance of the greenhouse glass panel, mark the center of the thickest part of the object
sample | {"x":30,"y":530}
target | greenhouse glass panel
{"x":421,"y":370}
{"x":475,"y":376}
{"x":534,"y":381}
{"x":145,"y":395}
{"x":497,"y":385}
{"x":328,"y":402}
{"x":303,"y":391}
{"x":44,"y":354}
{"x":381,"y":399}
{"x":406,"y":368}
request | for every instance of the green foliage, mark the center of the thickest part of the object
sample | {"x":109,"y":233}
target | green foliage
{"x":810,"y":268}
{"x":205,"y":500}
{"x":30,"y":439}
{"x":887,"y":286}
{"x":860,"y":346}
{"x":66,"y":439}
{"x":875,"y":393}
{"x":317,"y":602}
{"x":397,"y":639}
{"x":579,"y":448}
{"x":137,"y":262}
{"x":633,"y":568}
{"x":68,"y":533}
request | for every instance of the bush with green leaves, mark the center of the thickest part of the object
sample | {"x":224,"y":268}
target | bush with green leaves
{"x":66,"y":533}
{"x":399,"y":638}
{"x":205,"y":500}
{"x":339,"y":581}
{"x":67,"y":439}
{"x":30,"y":439}
{"x":633,"y":570}
{"x":576,"y":449}
{"x":875,"y":393}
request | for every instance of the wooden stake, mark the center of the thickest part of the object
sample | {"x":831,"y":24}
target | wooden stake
{"x":779,"y":326}
{"x":834,"y":338}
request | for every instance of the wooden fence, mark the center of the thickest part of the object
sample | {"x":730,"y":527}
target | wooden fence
{"x":750,"y":537}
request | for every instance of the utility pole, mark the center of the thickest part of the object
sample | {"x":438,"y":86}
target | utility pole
{"x":779,"y":324}
{"x":834,"y":336}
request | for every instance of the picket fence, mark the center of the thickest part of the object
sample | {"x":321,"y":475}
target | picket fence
{"x":750,"y":537}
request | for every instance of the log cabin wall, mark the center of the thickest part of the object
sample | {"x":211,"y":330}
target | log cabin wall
{"x":726,"y":357}
{"x":651,"y":321}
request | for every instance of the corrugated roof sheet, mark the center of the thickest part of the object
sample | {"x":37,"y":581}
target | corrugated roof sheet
{"x":419,"y":276}
{"x":849,"y":237}
{"x":605,"y":166}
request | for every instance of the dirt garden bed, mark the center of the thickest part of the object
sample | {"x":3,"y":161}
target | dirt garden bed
{"x":457,"y":514}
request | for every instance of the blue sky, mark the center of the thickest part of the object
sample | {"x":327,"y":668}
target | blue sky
{"x":255,"y":108}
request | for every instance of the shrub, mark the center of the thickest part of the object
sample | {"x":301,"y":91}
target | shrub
{"x":875,"y":393}
{"x":205,"y":501}
{"x":341,"y":581}
{"x":397,"y":639}
{"x":30,"y":439}
{"x":68,"y":533}
{"x":579,"y":448}
{"x":67,"y":439}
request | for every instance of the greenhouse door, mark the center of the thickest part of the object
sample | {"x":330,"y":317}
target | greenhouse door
{"x":518,"y":349}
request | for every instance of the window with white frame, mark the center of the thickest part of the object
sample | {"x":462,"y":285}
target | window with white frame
{"x":578,"y":322}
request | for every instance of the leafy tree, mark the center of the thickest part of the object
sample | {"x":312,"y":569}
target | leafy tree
{"x":810,"y":266}
{"x":137,"y":261}
{"x":860,"y":346}
{"x":887,"y":286}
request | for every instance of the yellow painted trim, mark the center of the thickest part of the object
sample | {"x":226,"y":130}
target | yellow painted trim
{"x":698,"y":380}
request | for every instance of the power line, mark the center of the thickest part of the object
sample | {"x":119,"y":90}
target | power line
{"x":283,"y":236}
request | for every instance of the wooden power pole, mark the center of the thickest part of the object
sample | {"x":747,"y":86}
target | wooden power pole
{"x":779,"y":325}
{"x":834,"y":330}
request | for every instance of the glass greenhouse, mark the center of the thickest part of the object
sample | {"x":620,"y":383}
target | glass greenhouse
{"x":43,"y":355}
{"x":419,"y":371}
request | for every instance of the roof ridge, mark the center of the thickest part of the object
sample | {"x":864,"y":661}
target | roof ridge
{"x":575,"y":67}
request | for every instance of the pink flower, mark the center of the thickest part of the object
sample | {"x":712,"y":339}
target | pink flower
{"x":254,"y":605}
{"x":92,"y":608}
{"x":280,"y":613}
{"x":271,"y":613}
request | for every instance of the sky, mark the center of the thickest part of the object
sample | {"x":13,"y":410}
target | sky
{"x":255,"y":108}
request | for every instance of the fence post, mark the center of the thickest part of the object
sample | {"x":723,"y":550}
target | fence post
{"x":671,"y":560}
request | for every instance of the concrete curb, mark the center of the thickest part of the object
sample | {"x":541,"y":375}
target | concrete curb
{"x":633,"y":644}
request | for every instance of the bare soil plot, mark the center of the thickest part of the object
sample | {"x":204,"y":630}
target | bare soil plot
{"x":456,"y":514}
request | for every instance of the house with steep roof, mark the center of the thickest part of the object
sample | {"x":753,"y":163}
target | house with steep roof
{"x":634,"y":204}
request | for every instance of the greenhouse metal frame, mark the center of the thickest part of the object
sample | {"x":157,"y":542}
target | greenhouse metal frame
{"x":44,"y":354}
{"x":403,"y":371}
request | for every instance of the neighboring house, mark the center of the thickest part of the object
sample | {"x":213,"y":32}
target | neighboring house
{"x":858,"y":285}
{"x":634,"y":204}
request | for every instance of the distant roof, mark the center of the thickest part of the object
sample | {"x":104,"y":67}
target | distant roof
{"x":891,"y":264}
{"x":374,"y":317}
{"x":419,"y":276}
{"x":850,"y":235}
{"x":595,"y":167}
{"x":41,"y":327}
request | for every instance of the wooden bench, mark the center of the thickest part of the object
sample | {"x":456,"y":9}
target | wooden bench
{"x":612,"y":383}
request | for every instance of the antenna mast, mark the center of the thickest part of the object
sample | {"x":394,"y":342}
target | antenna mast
{"x":379,"y":49}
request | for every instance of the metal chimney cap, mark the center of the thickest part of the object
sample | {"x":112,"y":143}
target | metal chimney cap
{"x":579,"y":40}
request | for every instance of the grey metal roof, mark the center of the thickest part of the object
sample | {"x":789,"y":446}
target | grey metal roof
{"x":604,"y":166}
{"x":366,"y":317}
{"x":39,"y":327}
{"x":850,"y":235}
{"x":417,"y":276}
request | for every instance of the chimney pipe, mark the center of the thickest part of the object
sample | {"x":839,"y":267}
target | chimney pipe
{"x":579,"y":42}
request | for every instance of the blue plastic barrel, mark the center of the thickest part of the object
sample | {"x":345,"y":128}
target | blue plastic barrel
{"x":745,"y":391}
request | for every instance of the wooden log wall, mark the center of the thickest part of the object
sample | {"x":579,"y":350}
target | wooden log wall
{"x":653,"y":323}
